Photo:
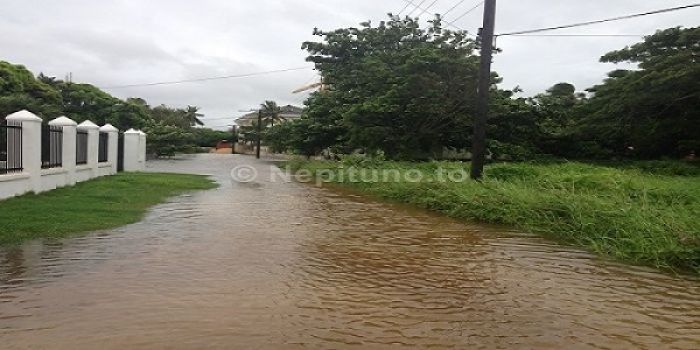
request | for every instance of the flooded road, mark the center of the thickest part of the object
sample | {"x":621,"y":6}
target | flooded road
{"x":274,"y":265}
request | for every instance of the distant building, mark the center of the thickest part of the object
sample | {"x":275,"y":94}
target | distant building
{"x":287,"y":113}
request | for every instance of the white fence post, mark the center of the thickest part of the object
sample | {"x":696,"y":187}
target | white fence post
{"x":93,"y":145}
{"x":142,"y":150}
{"x":132,"y":148}
{"x":31,"y":146}
{"x":69,"y":127}
{"x":113,"y":144}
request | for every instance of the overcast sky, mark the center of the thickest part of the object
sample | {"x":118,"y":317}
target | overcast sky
{"x":119,"y":42}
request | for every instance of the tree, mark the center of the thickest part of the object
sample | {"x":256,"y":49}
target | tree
{"x":320,"y":127}
{"x":513,"y":127}
{"x":125,"y":115}
{"x":173,"y":116}
{"x":205,"y":137}
{"x":167,"y":140}
{"x":48,"y":97}
{"x":192,"y":115}
{"x":249,"y":132}
{"x":271,"y":113}
{"x":86,"y":102}
{"x":277,"y":137}
{"x":397,"y":88}
{"x":557,"y":112}
{"x":652,"y":111}
{"x":20,"y":90}
{"x":174,"y":128}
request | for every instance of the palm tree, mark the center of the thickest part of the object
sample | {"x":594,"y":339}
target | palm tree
{"x":271,"y":112}
{"x":192,"y":116}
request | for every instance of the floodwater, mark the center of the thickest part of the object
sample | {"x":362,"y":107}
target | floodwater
{"x":275,"y":265}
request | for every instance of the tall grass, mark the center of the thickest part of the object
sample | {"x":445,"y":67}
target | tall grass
{"x":626,"y":213}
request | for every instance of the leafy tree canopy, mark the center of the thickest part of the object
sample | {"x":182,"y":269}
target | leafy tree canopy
{"x":396,"y":87}
{"x":170,"y":129}
{"x":20,"y":90}
{"x":652,"y":111}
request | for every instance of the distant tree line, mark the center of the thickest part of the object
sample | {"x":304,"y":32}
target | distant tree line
{"x":169,"y":129}
{"x":408,"y":93}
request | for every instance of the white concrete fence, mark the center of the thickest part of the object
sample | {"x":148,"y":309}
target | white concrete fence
{"x":101,"y":160}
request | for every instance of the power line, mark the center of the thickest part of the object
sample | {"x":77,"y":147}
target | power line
{"x":449,"y":24}
{"x":405,"y":8}
{"x":586,"y":35}
{"x":207,"y":78}
{"x":581,"y":24}
{"x":427,"y":8}
{"x":410,"y":3}
{"x":468,"y":12}
{"x":453,"y":7}
{"x":579,"y":35}
{"x":417,"y":7}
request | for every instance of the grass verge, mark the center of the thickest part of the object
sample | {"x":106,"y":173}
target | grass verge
{"x":98,"y":204}
{"x":628,"y":213}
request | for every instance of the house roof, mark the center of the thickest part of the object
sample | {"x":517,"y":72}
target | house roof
{"x":286,"y":112}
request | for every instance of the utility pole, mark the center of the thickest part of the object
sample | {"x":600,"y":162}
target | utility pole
{"x":258,"y":130}
{"x":234,"y":139}
{"x":257,"y":150}
{"x":482,"y":103}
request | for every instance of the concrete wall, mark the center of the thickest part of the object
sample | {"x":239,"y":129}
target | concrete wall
{"x":104,"y":169}
{"x":52,"y":179}
{"x":83,"y":173}
{"x":33,"y":178}
{"x":14,"y":185}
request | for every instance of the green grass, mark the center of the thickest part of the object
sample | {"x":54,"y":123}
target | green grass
{"x":627,"y":213}
{"x":98,"y":204}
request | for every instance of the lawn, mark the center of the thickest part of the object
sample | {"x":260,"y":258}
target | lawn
{"x":637,"y":214}
{"x":98,"y":204}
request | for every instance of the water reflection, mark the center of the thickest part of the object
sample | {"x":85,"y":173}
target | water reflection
{"x":275,"y":265}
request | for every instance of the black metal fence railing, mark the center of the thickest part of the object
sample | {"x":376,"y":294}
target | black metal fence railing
{"x":51,"y":146}
{"x":81,"y":147}
{"x":120,"y":152}
{"x":103,"y":148}
{"x":10,"y":147}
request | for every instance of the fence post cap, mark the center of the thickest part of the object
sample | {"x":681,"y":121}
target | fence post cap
{"x":88,"y":125}
{"x":23,"y":116}
{"x":141,"y":133}
{"x":108,"y":128}
{"x":131,"y":131}
{"x":63,"y":121}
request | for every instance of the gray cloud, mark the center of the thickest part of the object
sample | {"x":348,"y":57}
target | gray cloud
{"x":120,"y":42}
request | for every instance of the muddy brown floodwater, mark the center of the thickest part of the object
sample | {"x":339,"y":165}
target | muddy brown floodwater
{"x":274,"y":265}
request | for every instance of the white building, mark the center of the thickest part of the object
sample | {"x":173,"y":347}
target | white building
{"x":287,"y":113}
